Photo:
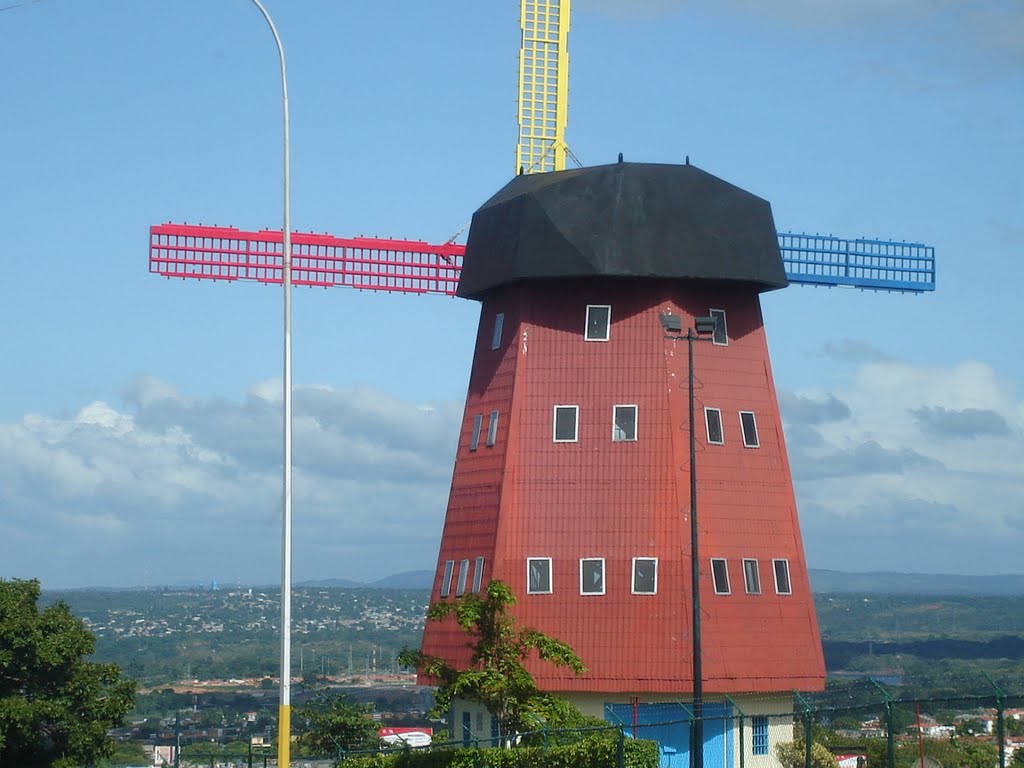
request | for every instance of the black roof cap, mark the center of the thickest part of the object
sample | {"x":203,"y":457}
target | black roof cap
{"x":622,"y":220}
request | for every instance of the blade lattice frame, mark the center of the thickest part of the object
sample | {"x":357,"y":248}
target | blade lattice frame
{"x":543,"y":85}
{"x":877,"y":264}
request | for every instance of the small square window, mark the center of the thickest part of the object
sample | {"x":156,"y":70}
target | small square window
{"x":478,"y":575}
{"x":566,"y":418}
{"x":492,"y":429}
{"x":751,"y":577}
{"x":760,"y":729}
{"x":721,"y":334}
{"x":713,"y":420}
{"x":474,"y":437}
{"x":499,"y":322}
{"x":720,"y":575}
{"x":592,"y":576}
{"x":749,"y":425}
{"x":460,"y":588}
{"x":538,"y":576}
{"x":645,"y":575}
{"x":446,"y":578}
{"x":624,"y":423}
{"x":599,"y":318}
{"x":782,"y":584}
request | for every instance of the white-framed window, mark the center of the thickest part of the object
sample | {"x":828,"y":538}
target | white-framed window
{"x":749,"y":425}
{"x":624,"y":423}
{"x":446,"y":578}
{"x":492,"y":429}
{"x":499,"y":322}
{"x":720,"y":575}
{"x":782,"y":584}
{"x":566,"y":422}
{"x":478,"y":575}
{"x":599,"y":322}
{"x":721,"y":334}
{"x":645,"y":575}
{"x":460,"y":588}
{"x":713,"y":421}
{"x":474,"y":436}
{"x":591,"y":575}
{"x":751,"y":576}
{"x":538,"y":576}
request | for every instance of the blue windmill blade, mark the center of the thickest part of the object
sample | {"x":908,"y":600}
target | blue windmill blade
{"x":880,"y":265}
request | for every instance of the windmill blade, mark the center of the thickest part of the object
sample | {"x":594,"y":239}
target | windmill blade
{"x":543,"y":85}
{"x":881,"y":265}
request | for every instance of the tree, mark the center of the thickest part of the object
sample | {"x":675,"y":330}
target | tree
{"x":496,"y":676}
{"x":792,"y":754}
{"x":55,"y":706}
{"x":332,"y":722}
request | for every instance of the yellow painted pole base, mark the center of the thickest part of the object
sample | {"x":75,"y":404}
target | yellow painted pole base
{"x":284,"y":735}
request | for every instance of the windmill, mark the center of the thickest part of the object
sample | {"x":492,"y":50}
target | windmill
{"x":570,"y":473}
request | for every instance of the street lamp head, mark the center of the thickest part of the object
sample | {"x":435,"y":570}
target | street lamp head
{"x":704,"y":326}
{"x":671,"y":323}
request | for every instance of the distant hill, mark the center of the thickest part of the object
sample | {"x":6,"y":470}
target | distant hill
{"x":405,"y":580}
{"x":891,"y":583}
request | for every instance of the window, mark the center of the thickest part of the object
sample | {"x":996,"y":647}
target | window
{"x":446,"y":579}
{"x":782,"y":585}
{"x":721,"y":334}
{"x":645,"y":575}
{"x":599,"y":317}
{"x":499,"y":322}
{"x":474,"y":438}
{"x":720,"y":575}
{"x":749,"y":429}
{"x":592,"y":576}
{"x":538,"y":576}
{"x":460,"y":589}
{"x":713,"y":419}
{"x":492,"y":429}
{"x":624,"y":423}
{"x":566,"y":417}
{"x":760,"y":728}
{"x":751,"y":577}
{"x":478,"y":575}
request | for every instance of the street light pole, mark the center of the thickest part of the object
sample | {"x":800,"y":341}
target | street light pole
{"x":284,"y":705}
{"x":698,"y":672}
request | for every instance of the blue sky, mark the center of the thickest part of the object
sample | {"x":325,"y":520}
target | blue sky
{"x":139,"y":427}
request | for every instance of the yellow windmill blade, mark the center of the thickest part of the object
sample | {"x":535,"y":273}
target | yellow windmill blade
{"x":543,"y":85}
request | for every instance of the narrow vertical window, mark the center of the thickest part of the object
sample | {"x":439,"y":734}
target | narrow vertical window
{"x":759,"y":725}
{"x":492,"y":429}
{"x":446,"y":578}
{"x":599,"y":317}
{"x":720,"y":575}
{"x":624,"y":423}
{"x":538,"y":576}
{"x":713,"y":420}
{"x":499,"y":322}
{"x":592,"y":576}
{"x":460,"y":588}
{"x":749,"y":425}
{"x":474,"y":437}
{"x":782,"y":584}
{"x":566,"y":419}
{"x":645,"y":575}
{"x":478,"y":575}
{"x":751,"y":577}
{"x":721,"y":334}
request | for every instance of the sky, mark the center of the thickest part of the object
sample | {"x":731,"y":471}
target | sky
{"x":140,"y":418}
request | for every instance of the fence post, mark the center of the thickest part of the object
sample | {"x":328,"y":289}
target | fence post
{"x":808,"y":728}
{"x":743,"y":751}
{"x":620,"y":749}
{"x":1000,"y":720}
{"x":890,"y":736}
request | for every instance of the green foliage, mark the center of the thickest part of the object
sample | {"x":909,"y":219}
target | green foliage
{"x":55,"y":707}
{"x":792,"y":754}
{"x":332,"y":723}
{"x":496,"y":677}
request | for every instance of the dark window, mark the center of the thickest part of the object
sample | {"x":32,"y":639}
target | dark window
{"x":478,"y":575}
{"x":782,"y":585}
{"x":749,"y":425}
{"x":599,"y":318}
{"x":492,"y":429}
{"x":474,"y":438}
{"x":592,"y":576}
{"x":721,"y":334}
{"x":713,"y":419}
{"x":751,"y":577}
{"x":565,"y":423}
{"x":499,"y":321}
{"x":446,"y":579}
{"x":467,"y":729}
{"x":760,"y":728}
{"x":624,"y":423}
{"x":538,"y":576}
{"x":645,"y":575}
{"x":460,"y":589}
{"x":720,"y":575}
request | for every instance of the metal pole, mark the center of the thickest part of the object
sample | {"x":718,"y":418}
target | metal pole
{"x":284,"y":706}
{"x":698,"y":684}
